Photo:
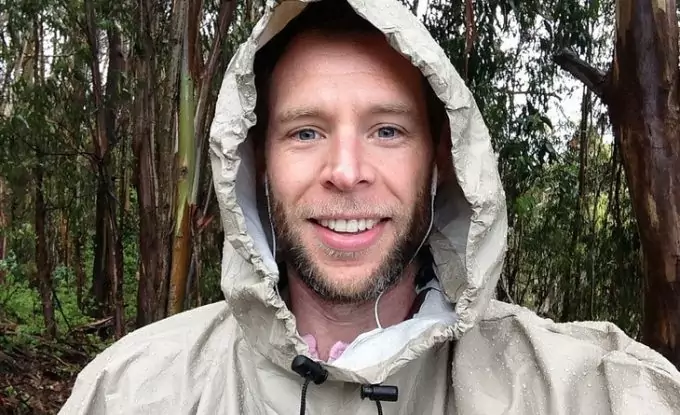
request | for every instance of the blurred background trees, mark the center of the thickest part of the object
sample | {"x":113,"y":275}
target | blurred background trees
{"x":108,"y":218}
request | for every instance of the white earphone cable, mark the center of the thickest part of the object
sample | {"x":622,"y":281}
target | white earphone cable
{"x":433,"y":194}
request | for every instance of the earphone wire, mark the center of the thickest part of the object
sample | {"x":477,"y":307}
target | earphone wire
{"x":433,"y":194}
{"x":269,"y":215}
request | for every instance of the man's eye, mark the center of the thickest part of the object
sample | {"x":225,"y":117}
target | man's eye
{"x":306,"y":134}
{"x":387,"y":132}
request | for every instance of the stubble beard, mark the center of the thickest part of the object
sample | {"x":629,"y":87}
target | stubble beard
{"x":366,"y":288}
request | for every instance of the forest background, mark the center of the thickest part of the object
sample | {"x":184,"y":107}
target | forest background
{"x":108,"y":217}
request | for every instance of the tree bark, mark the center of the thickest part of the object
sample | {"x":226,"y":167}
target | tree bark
{"x":111,"y":111}
{"x":4,"y":222}
{"x":181,"y":249}
{"x":644,"y":111}
{"x":167,"y":177}
{"x":44,"y":269}
{"x":196,"y":81}
{"x":80,"y":272}
{"x":108,"y":270}
{"x":153,"y":168}
{"x":64,"y":239}
{"x":101,"y":285}
{"x":641,"y":93}
{"x":33,"y":73}
{"x":571,"y":308}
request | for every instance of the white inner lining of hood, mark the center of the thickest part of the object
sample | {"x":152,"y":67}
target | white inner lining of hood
{"x":378,"y":345}
{"x":370,"y":348}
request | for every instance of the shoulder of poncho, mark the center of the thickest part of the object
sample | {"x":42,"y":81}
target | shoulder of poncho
{"x":170,"y":338}
{"x":518,"y":322}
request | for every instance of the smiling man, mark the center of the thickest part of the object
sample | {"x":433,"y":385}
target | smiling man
{"x":349,"y":161}
{"x":365,"y":232}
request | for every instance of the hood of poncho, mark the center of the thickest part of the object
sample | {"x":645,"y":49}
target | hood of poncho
{"x":468,"y":238}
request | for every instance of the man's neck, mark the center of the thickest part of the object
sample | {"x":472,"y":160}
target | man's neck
{"x":330,"y":323}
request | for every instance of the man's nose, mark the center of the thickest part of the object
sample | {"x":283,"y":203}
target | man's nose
{"x":347,"y":166}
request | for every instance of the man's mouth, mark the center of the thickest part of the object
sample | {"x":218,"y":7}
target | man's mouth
{"x":350,"y":234}
{"x":348,"y":225}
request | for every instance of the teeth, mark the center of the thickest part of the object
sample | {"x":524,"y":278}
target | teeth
{"x":349,"y":226}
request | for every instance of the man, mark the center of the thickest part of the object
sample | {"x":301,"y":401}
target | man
{"x":365,"y":225}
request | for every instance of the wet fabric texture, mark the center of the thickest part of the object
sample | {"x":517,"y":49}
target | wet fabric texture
{"x":461,"y":353}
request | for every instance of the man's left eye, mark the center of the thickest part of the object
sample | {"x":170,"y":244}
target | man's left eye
{"x":387,"y":132}
{"x":306,"y":134}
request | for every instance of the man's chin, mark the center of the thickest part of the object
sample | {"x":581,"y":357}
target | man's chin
{"x":347,"y":294}
{"x":343,"y":288}
{"x":347,"y":277}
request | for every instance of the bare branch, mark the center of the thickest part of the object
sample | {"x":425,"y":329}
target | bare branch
{"x":594,"y":79}
{"x":535,"y":93}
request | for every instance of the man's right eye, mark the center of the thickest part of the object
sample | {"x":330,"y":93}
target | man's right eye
{"x":306,"y":134}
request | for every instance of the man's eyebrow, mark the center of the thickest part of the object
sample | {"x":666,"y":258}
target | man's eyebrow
{"x":397,"y":108}
{"x":293,"y":114}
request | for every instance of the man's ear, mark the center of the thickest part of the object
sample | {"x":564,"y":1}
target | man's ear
{"x":443,"y":157}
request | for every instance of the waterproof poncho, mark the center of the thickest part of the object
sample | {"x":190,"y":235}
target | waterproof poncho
{"x":462,"y":353}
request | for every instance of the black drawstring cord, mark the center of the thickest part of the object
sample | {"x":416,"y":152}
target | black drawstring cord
{"x":303,"y":401}
{"x":312,"y":371}
{"x":379,"y":393}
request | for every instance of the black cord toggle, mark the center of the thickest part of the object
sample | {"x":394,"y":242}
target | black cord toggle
{"x":309,"y":369}
{"x":380,"y":393}
{"x":312,"y":372}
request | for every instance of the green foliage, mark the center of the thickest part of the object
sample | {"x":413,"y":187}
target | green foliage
{"x":573,"y":246}
{"x":19,"y":302}
{"x":130,"y":233}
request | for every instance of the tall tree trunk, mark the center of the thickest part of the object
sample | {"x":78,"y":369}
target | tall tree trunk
{"x":4,"y":222}
{"x":108,"y":270}
{"x":124,"y":173}
{"x":115,"y":271}
{"x":111,"y":109}
{"x":14,"y":68}
{"x":641,"y":92}
{"x":181,"y":249}
{"x":167,"y":183}
{"x":196,"y":99}
{"x":44,"y":271}
{"x":33,"y":73}
{"x":101,"y":285}
{"x":573,"y":281}
{"x":80,"y":272}
{"x":645,"y":113}
{"x":150,"y":180}
{"x":64,"y":238}
{"x":592,"y":249}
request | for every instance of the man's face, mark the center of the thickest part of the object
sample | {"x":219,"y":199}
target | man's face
{"x":348,"y":158}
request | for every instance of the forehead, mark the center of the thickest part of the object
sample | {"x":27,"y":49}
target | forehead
{"x":313,"y":59}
